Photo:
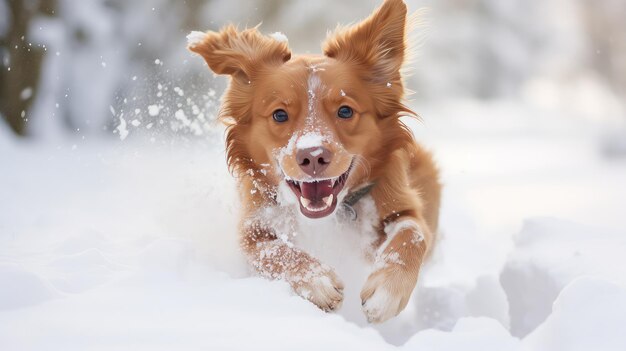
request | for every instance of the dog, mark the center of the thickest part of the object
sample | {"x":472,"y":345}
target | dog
{"x":317,"y":137}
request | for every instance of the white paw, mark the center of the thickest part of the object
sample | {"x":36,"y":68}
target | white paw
{"x":320,"y":286}
{"x":386,"y":293}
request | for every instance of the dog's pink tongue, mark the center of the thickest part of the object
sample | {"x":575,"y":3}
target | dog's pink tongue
{"x":316,"y":191}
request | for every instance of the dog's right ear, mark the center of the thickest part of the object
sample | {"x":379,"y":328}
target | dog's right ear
{"x":238,"y":54}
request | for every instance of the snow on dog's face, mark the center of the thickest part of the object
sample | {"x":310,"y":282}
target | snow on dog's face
{"x":319,"y":124}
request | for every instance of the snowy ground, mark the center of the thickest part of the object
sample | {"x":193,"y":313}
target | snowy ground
{"x":131,"y":245}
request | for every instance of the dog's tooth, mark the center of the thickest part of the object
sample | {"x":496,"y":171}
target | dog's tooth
{"x":328,"y":200}
{"x":305,"y":202}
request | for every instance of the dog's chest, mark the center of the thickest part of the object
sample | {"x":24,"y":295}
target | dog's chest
{"x":345,"y":245}
{"x":339,"y":241}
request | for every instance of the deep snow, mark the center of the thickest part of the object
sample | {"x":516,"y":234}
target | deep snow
{"x":132,"y":245}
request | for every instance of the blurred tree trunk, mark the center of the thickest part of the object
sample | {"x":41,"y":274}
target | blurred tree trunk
{"x":606,"y":28}
{"x":22,"y":62}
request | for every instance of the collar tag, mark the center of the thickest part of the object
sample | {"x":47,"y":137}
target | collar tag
{"x":354,"y":197}
{"x":349,"y":212}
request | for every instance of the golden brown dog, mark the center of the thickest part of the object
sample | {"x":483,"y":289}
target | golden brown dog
{"x":314,"y":137}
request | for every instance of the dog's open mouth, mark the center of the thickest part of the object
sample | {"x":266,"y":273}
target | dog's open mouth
{"x":318,"y":198}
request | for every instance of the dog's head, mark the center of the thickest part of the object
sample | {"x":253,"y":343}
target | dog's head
{"x":319,"y":124}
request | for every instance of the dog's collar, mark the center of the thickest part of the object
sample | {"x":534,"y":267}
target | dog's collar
{"x":352,"y":198}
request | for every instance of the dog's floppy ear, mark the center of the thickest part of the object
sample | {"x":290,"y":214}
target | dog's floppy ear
{"x":238,"y":54}
{"x":377,"y":43}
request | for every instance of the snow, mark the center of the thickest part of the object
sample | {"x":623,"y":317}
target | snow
{"x":316,"y":152}
{"x":121,"y":128}
{"x":153,"y":110}
{"x":132,"y":243}
{"x":26,"y":93}
{"x":278,"y":36}
{"x":537,"y":271}
{"x":309,"y":140}
{"x":468,"y":334}
{"x":589,"y":314}
{"x":194,"y":38}
{"x":393,"y":228}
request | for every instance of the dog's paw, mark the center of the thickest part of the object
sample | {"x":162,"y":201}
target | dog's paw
{"x":386,"y":292}
{"x":320,"y":285}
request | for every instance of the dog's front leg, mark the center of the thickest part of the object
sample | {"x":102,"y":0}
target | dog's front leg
{"x":274,"y":259}
{"x":388,"y":288}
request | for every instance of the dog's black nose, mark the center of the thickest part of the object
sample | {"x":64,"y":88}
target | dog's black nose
{"x":313,"y":160}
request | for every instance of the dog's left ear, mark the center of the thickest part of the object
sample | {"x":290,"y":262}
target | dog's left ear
{"x":377,"y":43}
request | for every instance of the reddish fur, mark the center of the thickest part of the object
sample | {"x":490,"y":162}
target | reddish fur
{"x":361,"y":59}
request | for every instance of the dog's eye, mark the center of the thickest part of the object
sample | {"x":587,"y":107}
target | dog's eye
{"x":345,"y":112}
{"x":280,"y":116}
